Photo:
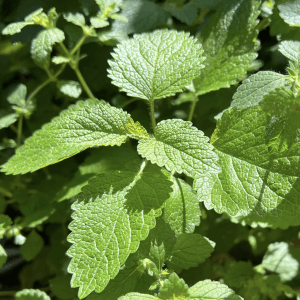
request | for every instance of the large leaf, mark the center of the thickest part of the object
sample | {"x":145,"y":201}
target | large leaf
{"x":115,"y":212}
{"x":291,"y":50}
{"x":180,"y":147}
{"x":42,"y":45}
{"x":156,"y":65}
{"x":229,"y":42}
{"x":31,"y":294}
{"x":14,"y":28}
{"x":254,"y":88}
{"x":212,"y":290}
{"x":84,"y":125}
{"x":290,"y":12}
{"x":255,"y":185}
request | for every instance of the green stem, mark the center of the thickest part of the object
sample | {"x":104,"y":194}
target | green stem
{"x":78,"y":45}
{"x":64,"y":48}
{"x":192,"y":108}
{"x":20,"y":125}
{"x":83,"y":83}
{"x":128,"y":102}
{"x":152,"y":115}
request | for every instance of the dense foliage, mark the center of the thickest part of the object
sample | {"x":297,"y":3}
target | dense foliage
{"x":150,"y":149}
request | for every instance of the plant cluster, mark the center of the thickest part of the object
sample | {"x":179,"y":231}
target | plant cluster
{"x":150,"y":149}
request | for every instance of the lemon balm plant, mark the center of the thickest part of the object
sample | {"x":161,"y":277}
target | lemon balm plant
{"x":104,"y":200}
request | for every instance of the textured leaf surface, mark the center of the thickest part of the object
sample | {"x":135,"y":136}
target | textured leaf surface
{"x":156,"y":65}
{"x":70,"y":88}
{"x":212,"y":290}
{"x":254,"y":88}
{"x":254,"y":185}
{"x":180,"y":147}
{"x":42,"y":45}
{"x":142,"y":16}
{"x":290,"y":12}
{"x":279,"y":259}
{"x":116,"y":212}
{"x":60,"y":60}
{"x":84,"y":125}
{"x":31,"y":294}
{"x":15,"y":27}
{"x":190,"y":250}
{"x":77,"y":19}
{"x":173,"y":288}
{"x":18,"y":95}
{"x":32,"y":246}
{"x":229,"y":43}
{"x":291,"y":50}
{"x":237,"y":275}
{"x":137,"y":296}
{"x":182,"y":210}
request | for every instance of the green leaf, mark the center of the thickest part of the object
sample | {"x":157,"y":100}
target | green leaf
{"x":42,"y":45}
{"x":254,"y":195}
{"x":7,"y":120}
{"x":99,"y":23}
{"x":5,"y":221}
{"x":70,"y":88}
{"x":278,"y":259}
{"x":99,"y":161}
{"x":229,"y":43}
{"x":156,"y":65}
{"x":212,"y":290}
{"x":87,"y":124}
{"x":77,"y":19}
{"x":3,"y":256}
{"x":173,"y":288}
{"x":254,"y":88}
{"x":237,"y":275}
{"x":14,"y":28}
{"x":291,"y":50}
{"x":116,"y":212}
{"x":31,"y":16}
{"x":283,"y":129}
{"x":60,"y":287}
{"x":190,"y":250}
{"x":142,"y":16}
{"x":290,"y":12}
{"x":32,"y":246}
{"x":60,"y":60}
{"x":137,"y":296}
{"x":31,"y":294}
{"x":182,"y":210}
{"x":159,"y":245}
{"x":180,"y":147}
{"x":18,"y":96}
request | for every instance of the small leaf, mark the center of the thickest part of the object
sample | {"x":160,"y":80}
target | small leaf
{"x":182,"y":210}
{"x":70,"y":88}
{"x":31,"y":294}
{"x":116,"y":212}
{"x":137,"y":296}
{"x":290,"y":12}
{"x":31,"y":16}
{"x":279,"y":259}
{"x":136,"y":131}
{"x":291,"y":50}
{"x":18,"y":96}
{"x":229,"y":40}
{"x":42,"y":45}
{"x":84,"y":125}
{"x":32,"y":246}
{"x":173,"y":288}
{"x":77,"y":19}
{"x":180,"y":147}
{"x":254,"y":88}
{"x":5,"y":221}
{"x":60,"y":60}
{"x":212,"y":290}
{"x":7,"y":120}
{"x":190,"y":250}
{"x":15,"y":27}
{"x":3,"y":256}
{"x":99,"y":23}
{"x":178,"y":59}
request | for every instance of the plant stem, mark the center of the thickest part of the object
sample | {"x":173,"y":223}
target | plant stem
{"x":64,"y":48}
{"x":20,"y":125}
{"x":192,"y":108}
{"x":78,"y":45}
{"x":152,"y":115}
{"x":128,"y":102}
{"x":83,"y":83}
